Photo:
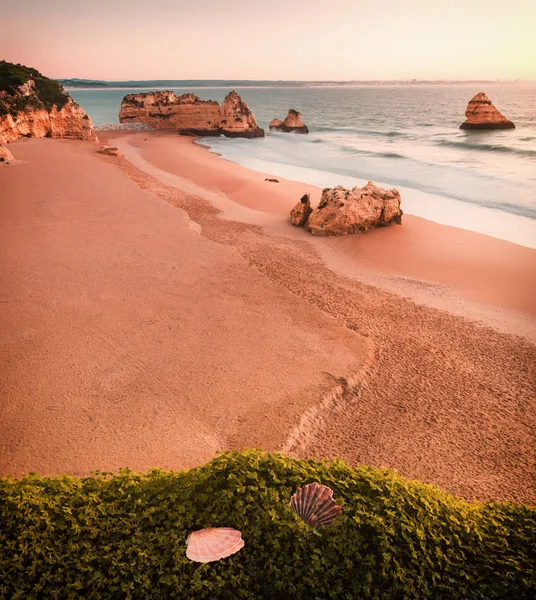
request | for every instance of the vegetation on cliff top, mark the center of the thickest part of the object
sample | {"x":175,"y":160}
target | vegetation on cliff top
{"x":123,"y":536}
{"x":48,"y":92}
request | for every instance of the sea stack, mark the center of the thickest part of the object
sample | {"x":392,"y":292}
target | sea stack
{"x":341,"y":211}
{"x":189,"y":115}
{"x":481,"y":114}
{"x":292,"y":124}
{"x":32,"y":105}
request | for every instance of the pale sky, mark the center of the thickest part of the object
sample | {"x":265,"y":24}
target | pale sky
{"x":276,"y":39}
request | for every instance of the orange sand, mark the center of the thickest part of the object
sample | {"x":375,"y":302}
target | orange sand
{"x":158,"y":307}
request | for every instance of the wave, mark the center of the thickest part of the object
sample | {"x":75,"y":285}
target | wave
{"x":357,"y":152}
{"x":390,"y":134}
{"x":528,"y":139}
{"x":391,"y":155}
{"x":488,"y":148}
{"x":409,"y":182}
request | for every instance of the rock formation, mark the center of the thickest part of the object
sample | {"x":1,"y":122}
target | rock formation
{"x":300,"y":213}
{"x":109,"y":151}
{"x":481,"y":114}
{"x":32,"y":105}
{"x":292,"y":123}
{"x":188,"y":114}
{"x":5,"y":155}
{"x":343,"y":211}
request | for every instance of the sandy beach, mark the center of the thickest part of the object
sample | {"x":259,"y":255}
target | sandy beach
{"x":159,"y":307}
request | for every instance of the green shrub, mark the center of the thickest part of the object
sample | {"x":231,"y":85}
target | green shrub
{"x":48,"y":92}
{"x":123,"y":536}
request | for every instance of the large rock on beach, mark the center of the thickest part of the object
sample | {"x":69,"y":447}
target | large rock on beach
{"x":5,"y":155}
{"x":301,"y":212}
{"x":188,"y":114}
{"x":341,"y":211}
{"x":32,"y":105}
{"x":481,"y":114}
{"x":292,"y":124}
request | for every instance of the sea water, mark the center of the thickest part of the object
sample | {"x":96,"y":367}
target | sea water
{"x":406,"y":137}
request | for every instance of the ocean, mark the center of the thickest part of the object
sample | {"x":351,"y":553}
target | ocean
{"x":406,"y":137}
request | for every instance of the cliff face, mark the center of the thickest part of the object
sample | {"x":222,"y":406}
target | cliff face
{"x":481,"y":114}
{"x":292,"y":123}
{"x":34,"y":106}
{"x":190,"y":115}
{"x":341,"y":211}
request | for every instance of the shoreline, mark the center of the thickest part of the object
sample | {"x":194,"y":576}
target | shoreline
{"x":512,"y":227}
{"x":156,"y":315}
{"x":468,"y":273}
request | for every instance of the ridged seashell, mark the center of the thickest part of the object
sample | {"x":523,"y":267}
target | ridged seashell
{"x":314,"y":503}
{"x":213,"y":543}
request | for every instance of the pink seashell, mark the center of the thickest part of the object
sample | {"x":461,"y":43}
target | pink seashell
{"x":314,"y":503}
{"x":213,"y":543}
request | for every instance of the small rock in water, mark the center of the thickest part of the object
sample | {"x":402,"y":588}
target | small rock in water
{"x":481,"y":114}
{"x":292,"y":124}
{"x":272,"y":180}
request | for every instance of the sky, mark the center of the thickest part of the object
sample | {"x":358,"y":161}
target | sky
{"x":336,"y":40}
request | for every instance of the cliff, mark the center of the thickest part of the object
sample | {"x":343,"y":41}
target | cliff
{"x":32,"y":105}
{"x":481,"y":114}
{"x":292,"y":124}
{"x":188,"y":114}
{"x":341,"y":211}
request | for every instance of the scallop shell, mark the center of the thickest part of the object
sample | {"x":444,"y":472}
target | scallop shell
{"x":213,"y":543}
{"x":314,"y":503}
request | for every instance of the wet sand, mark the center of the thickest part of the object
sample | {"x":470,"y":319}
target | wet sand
{"x":159,"y":307}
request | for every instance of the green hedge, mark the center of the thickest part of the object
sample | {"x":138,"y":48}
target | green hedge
{"x":123,"y":536}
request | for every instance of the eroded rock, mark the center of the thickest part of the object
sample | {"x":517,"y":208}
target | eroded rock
{"x":109,"y":150}
{"x":292,"y":124}
{"x":188,"y":114}
{"x":342,"y":211}
{"x":481,"y":114}
{"x":5,"y":155}
{"x":300,"y":213}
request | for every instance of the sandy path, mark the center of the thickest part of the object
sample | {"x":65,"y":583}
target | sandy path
{"x":434,"y":395}
{"x":129,"y":339}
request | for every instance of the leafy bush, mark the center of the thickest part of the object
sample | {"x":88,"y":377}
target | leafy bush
{"x":123,"y":536}
{"x":48,"y":92}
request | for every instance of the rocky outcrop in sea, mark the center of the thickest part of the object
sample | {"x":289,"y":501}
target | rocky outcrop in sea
{"x":189,"y":115}
{"x":32,"y":105}
{"x":292,"y":124}
{"x":481,"y":114}
{"x":341,"y":211}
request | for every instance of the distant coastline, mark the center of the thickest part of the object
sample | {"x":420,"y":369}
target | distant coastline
{"x":214,"y":83}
